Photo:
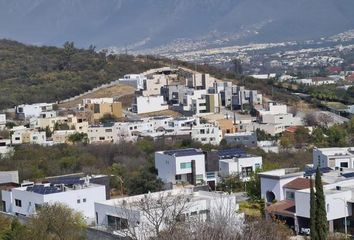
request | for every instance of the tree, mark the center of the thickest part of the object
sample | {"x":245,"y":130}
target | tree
{"x":69,"y":51}
{"x":57,"y":222}
{"x":302,"y":136}
{"x":78,"y":137}
{"x":287,"y":140}
{"x":313,"y":230}
{"x":253,"y":186}
{"x":17,"y":231}
{"x":237,"y":67}
{"x":321,"y":213}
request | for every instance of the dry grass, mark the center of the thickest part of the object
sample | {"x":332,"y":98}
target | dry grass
{"x":167,"y":112}
{"x":113,"y":91}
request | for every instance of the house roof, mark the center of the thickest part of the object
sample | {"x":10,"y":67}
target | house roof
{"x":183,"y":152}
{"x":284,"y":208}
{"x":298,"y":184}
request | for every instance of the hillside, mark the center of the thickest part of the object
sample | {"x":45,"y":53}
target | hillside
{"x":30,"y":74}
{"x":152,"y":23}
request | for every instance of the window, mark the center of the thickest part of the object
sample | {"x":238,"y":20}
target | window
{"x":178,"y":177}
{"x":290,"y":195}
{"x":84,"y":200}
{"x":18,"y":203}
{"x":102,"y":138}
{"x":78,"y":201}
{"x":37,"y":206}
{"x":257,"y":165}
{"x":108,"y":130}
{"x":199,"y":177}
{"x":117,"y":223}
{"x":246,"y":171}
{"x":343,"y":164}
{"x":186,"y":165}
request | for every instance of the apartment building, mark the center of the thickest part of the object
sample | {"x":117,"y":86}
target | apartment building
{"x":242,"y":97}
{"x":200,"y":81}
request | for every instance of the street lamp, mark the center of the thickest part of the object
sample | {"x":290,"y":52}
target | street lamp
{"x":345,"y":216}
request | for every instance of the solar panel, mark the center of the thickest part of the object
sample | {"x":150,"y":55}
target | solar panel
{"x":348,"y":175}
{"x":312,"y":171}
{"x":231,"y":152}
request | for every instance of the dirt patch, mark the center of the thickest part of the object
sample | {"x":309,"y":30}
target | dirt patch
{"x":114,"y":91}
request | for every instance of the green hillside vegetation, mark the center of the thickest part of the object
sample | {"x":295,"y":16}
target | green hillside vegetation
{"x":30,"y":74}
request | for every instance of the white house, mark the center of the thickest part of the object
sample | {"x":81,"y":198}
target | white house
{"x":35,"y":110}
{"x":25,"y":135}
{"x":333,"y":157}
{"x":135,"y":80}
{"x":182,"y":165}
{"x":125,"y":216}
{"x":2,"y":121}
{"x":207,"y":134}
{"x":5,"y":147}
{"x":149,"y":104}
{"x":78,"y":194}
{"x":272,"y":182}
{"x":9,"y":177}
{"x":294,"y":206}
{"x":242,"y":165}
{"x":104,"y":133}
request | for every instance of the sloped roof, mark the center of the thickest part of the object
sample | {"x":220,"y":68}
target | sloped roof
{"x":298,"y":184}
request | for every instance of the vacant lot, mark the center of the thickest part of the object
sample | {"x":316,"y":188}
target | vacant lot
{"x":115,"y":91}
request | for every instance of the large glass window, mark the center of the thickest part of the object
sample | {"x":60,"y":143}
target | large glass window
{"x":186,"y":165}
{"x":117,"y":222}
{"x":290,"y":195}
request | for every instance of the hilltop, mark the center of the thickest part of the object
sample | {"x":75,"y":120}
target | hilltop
{"x":30,"y":74}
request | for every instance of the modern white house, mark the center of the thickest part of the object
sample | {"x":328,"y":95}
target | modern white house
{"x":35,"y":110}
{"x":242,"y":165}
{"x":207,"y":134}
{"x":135,"y":80}
{"x":182,"y":165}
{"x":77,"y":193}
{"x":333,"y":157}
{"x":293,"y":205}
{"x":126,"y":217}
{"x":149,"y":104}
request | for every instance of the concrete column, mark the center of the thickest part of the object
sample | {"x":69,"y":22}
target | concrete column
{"x":331,"y":226}
{"x":296,"y":225}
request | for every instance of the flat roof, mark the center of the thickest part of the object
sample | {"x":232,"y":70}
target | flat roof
{"x":183,"y":152}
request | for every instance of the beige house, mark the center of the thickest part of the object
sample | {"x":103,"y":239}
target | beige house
{"x":62,"y":136}
{"x":100,"y":109}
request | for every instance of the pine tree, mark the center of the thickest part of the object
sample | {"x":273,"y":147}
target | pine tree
{"x":313,"y":228}
{"x":321,"y":214}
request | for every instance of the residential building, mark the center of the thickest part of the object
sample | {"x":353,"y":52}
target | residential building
{"x":35,"y":110}
{"x":207,"y":134}
{"x":26,"y":135}
{"x":103,"y":133}
{"x":247,"y":139}
{"x":9,"y":177}
{"x":77,"y":193}
{"x":182,"y":165}
{"x":62,"y":136}
{"x":2,"y":121}
{"x":5,"y":147}
{"x":294,"y":206}
{"x":125,"y":215}
{"x":242,"y":97}
{"x":149,"y":104}
{"x":235,"y":162}
{"x":200,"y":81}
{"x":135,"y":80}
{"x":333,"y":157}
{"x":101,"y":107}
{"x":153,"y":84}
